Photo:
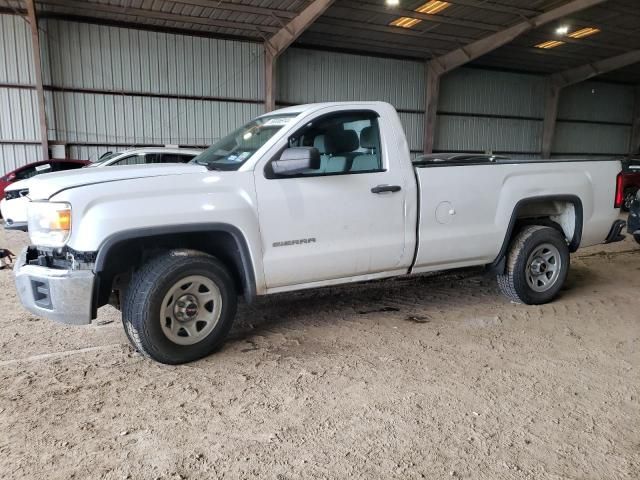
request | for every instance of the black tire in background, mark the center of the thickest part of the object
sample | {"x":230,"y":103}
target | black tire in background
{"x":145,"y":295}
{"x":527,"y":250}
{"x":637,"y":238}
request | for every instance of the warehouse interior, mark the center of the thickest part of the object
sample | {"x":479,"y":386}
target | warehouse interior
{"x":433,"y":375}
{"x":193,"y":69}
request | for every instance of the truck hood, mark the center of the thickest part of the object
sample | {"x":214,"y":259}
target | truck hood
{"x":43,"y":187}
{"x":19,"y":185}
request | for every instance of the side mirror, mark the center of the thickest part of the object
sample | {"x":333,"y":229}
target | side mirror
{"x":295,"y":160}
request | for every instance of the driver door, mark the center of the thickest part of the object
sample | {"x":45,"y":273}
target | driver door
{"x":331,"y":222}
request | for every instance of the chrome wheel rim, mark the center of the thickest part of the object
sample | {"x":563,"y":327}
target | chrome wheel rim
{"x":543,"y":267}
{"x":190,"y":310}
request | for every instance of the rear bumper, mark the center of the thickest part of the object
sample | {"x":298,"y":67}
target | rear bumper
{"x":64,"y":296}
{"x":615,"y":234}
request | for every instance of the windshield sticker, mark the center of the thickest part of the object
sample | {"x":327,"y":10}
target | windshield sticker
{"x":277,"y":122}
{"x":40,"y":168}
{"x":243,"y":156}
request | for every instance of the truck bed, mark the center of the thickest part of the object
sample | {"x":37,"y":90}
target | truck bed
{"x":466,"y":209}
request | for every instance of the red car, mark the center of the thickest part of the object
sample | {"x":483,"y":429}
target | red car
{"x":630,"y":179}
{"x":36,"y":168}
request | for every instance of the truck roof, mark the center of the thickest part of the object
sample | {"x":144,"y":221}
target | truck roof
{"x":308,"y":107}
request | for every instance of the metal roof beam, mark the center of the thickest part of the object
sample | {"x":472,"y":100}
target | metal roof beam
{"x":288,"y":34}
{"x":460,"y":56}
{"x":560,"y":80}
{"x":496,"y":7}
{"x":90,"y":8}
{"x":237,"y":7}
{"x":593,"y":69}
{"x":401,"y":12}
{"x":278,"y":43}
{"x":470,"y":52}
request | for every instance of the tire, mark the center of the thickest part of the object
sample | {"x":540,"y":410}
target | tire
{"x":530,"y":276}
{"x":187,"y":284}
{"x":637,"y":238}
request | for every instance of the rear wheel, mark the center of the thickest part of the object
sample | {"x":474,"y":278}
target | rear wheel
{"x":179,"y":307}
{"x":537,"y":266}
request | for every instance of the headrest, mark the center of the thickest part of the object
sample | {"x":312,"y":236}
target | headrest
{"x":368,"y":138}
{"x":337,"y":141}
{"x":346,"y":141}
{"x":324,"y":144}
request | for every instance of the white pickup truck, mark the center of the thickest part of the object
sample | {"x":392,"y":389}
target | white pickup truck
{"x":303,"y":197}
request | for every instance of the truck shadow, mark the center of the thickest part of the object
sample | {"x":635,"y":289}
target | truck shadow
{"x":411,"y":298}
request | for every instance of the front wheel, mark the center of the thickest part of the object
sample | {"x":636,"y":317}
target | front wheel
{"x":179,"y":307}
{"x":537,"y":266}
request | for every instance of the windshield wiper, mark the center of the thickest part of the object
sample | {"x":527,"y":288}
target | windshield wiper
{"x":210,"y":166}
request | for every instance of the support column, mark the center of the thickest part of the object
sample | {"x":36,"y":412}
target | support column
{"x":634,"y":140}
{"x":552,"y":98}
{"x":270,"y":86}
{"x":33,"y":22}
{"x":431,"y":108}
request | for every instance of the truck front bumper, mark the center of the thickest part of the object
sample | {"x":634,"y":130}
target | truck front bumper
{"x":64,"y":296}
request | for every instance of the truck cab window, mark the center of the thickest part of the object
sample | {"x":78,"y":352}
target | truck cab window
{"x":348,"y":142}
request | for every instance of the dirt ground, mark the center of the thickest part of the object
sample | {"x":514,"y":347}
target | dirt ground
{"x":427,"y":377}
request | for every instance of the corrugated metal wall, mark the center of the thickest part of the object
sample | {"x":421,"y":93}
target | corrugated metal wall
{"x":108,"y":88}
{"x":482,"y":110}
{"x":19,"y":133}
{"x":594,"y":118}
{"x":116,"y":86}
{"x":307,"y":76}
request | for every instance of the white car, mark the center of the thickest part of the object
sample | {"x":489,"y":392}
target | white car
{"x":14,"y":206}
{"x":304,"y":197}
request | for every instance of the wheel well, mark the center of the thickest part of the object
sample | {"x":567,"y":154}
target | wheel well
{"x":558,"y":214}
{"x":118,"y":259}
{"x":564,"y":213}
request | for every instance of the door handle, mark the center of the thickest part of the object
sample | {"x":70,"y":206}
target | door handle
{"x":386,"y":188}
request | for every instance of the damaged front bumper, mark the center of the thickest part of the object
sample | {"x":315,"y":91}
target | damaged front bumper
{"x":62,"y":295}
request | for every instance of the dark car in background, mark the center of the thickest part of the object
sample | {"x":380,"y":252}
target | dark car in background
{"x":633,"y":223}
{"x":36,"y":168}
{"x":630,"y":180}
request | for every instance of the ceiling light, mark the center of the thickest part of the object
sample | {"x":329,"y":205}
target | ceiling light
{"x":549,"y":44}
{"x":584,"y":32}
{"x":433,"y":7}
{"x":393,"y":3}
{"x":405,"y":22}
{"x":562,"y":30}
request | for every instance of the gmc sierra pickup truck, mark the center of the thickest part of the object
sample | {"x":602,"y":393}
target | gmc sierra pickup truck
{"x":303,"y":197}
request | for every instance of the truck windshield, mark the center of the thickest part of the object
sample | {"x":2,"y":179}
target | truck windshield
{"x":230,"y":152}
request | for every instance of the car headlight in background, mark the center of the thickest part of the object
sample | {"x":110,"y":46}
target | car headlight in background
{"x":49,"y":223}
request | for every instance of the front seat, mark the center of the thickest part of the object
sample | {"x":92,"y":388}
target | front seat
{"x":367,"y":161}
{"x":336,"y":149}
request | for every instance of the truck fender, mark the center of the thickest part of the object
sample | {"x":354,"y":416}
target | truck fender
{"x":499,"y":264}
{"x":242,"y":255}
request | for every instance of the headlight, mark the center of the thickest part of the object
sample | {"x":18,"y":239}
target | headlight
{"x":49,"y":223}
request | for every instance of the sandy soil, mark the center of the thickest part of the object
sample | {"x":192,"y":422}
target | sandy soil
{"x":429,"y":377}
